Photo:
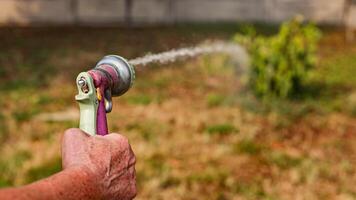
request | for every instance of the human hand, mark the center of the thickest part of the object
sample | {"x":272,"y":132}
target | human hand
{"x":108,"y":159}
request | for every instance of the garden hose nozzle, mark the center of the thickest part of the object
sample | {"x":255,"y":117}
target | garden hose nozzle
{"x":112,"y":76}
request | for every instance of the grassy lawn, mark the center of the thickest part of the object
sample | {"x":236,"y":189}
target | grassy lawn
{"x":197,"y":131}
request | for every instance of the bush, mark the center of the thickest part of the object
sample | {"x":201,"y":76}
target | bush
{"x":279,"y":64}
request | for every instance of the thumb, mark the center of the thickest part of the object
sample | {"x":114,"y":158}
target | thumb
{"x":74,"y":144}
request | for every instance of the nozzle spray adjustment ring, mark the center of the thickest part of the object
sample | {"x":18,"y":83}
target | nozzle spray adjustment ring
{"x":120,"y":72}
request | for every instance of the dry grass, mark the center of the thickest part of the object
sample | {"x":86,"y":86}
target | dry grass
{"x":196,"y":132}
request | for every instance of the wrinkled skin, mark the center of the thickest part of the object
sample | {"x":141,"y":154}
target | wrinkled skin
{"x":94,"y":167}
{"x":109,"y":159}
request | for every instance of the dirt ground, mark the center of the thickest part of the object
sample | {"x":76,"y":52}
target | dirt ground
{"x":197,"y":131}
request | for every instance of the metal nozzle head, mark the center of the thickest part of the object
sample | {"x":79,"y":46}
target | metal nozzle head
{"x":120,"y":73}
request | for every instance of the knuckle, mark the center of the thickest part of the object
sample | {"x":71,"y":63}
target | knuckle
{"x":125,"y":141}
{"x":68,"y":135}
{"x":120,"y":139}
{"x":133,"y":190}
{"x":70,"y":132}
{"x":73,"y":136}
{"x":133,"y":159}
{"x":115,"y":136}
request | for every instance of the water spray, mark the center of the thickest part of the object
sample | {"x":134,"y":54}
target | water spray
{"x":232,"y":49}
{"x":113,"y":76}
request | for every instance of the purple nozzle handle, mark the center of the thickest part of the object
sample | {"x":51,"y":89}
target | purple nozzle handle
{"x":101,"y":125}
{"x":101,"y":83}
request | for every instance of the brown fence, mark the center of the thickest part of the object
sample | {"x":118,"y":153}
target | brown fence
{"x":112,"y":12}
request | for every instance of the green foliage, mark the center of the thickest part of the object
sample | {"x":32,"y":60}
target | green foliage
{"x":221,"y":129}
{"x":170,"y":181}
{"x":337,"y":70}
{"x":22,"y":116}
{"x":139,"y":99}
{"x":284,"y":161}
{"x":47,"y":169}
{"x":210,"y":175}
{"x":20,"y":157}
{"x":280,"y":64}
{"x":10,"y":165}
{"x":214,"y":100}
{"x":3,"y":128}
{"x":157,"y":161}
{"x":248,"y":147}
{"x":252,"y":190}
{"x":148,"y":130}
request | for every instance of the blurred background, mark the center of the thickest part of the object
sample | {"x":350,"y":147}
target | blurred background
{"x":281,"y":127}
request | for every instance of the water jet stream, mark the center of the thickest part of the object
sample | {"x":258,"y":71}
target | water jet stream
{"x":234,"y":50}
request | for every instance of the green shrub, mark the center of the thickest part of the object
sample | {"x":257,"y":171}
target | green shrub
{"x":279,"y":64}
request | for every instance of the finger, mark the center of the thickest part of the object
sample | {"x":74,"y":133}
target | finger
{"x":73,"y":145}
{"x":116,"y":137}
{"x":118,"y":140}
{"x":132,"y":160}
{"x":132,"y":186}
{"x":123,"y":151}
{"x":73,"y":137}
{"x":133,"y":189}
